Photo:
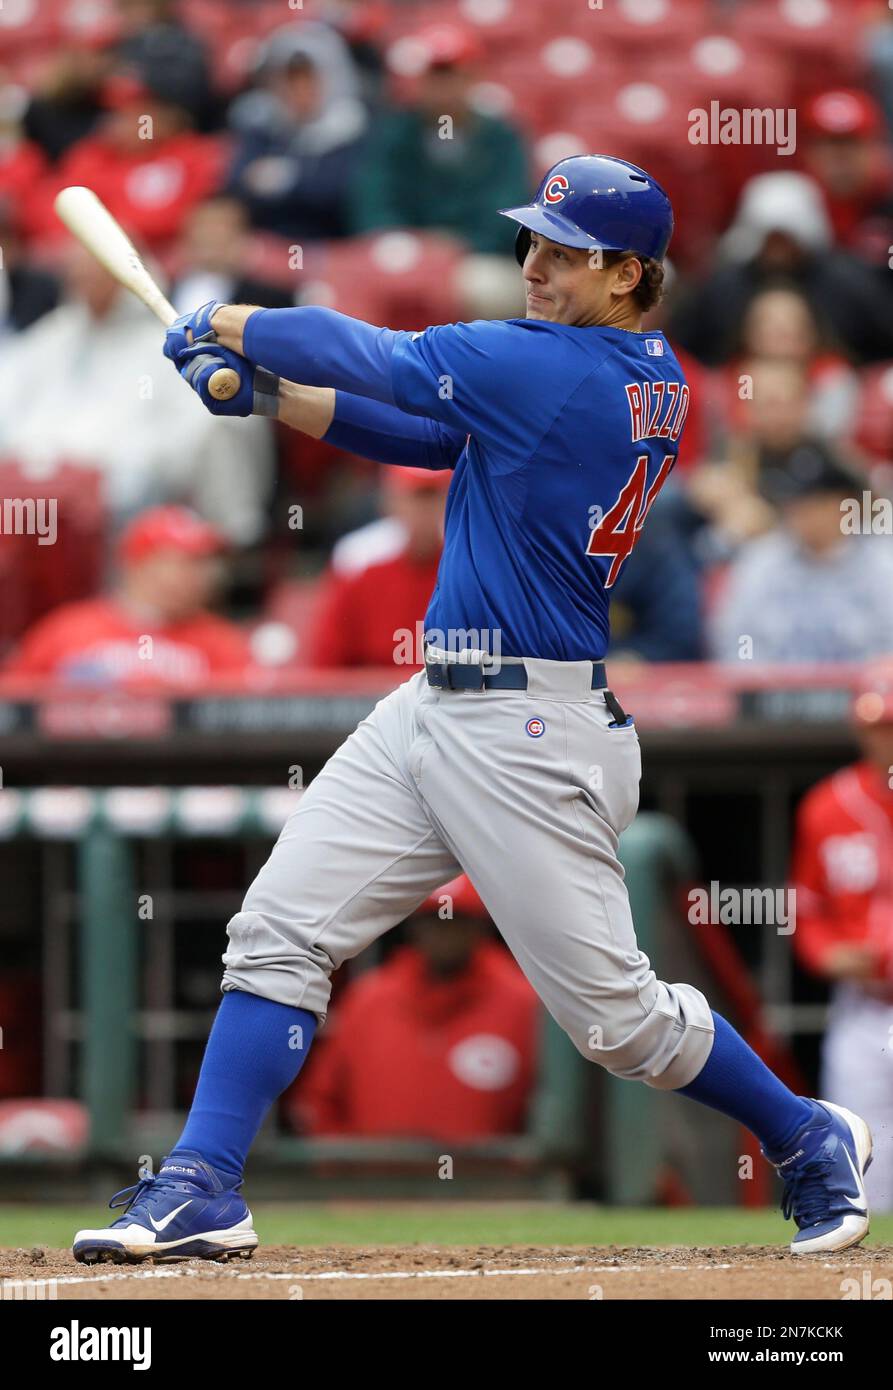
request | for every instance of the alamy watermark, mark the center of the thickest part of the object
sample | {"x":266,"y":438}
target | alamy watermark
{"x":29,"y":516}
{"x":735,"y":907}
{"x":751,"y":125}
{"x":469,"y":643}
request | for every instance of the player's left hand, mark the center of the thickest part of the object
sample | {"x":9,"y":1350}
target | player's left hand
{"x":191,"y":330}
{"x":258,"y":392}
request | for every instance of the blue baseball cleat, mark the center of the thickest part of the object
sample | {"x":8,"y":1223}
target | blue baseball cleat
{"x":823,"y":1175}
{"x":183,"y":1210}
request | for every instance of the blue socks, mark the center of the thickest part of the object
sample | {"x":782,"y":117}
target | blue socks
{"x":255,"y":1050}
{"x":735,"y":1081}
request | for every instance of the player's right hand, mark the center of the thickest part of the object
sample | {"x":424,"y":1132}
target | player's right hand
{"x":191,"y":330}
{"x":258,"y":392}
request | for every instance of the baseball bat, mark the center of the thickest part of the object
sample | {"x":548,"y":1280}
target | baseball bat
{"x":93,"y":225}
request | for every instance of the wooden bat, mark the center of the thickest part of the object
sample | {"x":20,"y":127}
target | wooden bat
{"x":93,"y":225}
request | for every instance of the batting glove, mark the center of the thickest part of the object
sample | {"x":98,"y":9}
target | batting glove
{"x":258,"y":392}
{"x":191,"y":330}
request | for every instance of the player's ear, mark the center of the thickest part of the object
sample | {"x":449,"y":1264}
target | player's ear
{"x":628,"y":273}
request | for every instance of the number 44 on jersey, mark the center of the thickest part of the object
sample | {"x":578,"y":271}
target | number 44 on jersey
{"x":657,"y":411}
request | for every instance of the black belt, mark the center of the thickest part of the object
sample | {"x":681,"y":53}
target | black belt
{"x":461,"y":675}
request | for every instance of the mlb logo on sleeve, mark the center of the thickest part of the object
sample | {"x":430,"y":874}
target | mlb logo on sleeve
{"x":654,"y":347}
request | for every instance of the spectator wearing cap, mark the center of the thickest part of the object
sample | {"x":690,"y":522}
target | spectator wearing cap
{"x":86,"y":384}
{"x":811,"y":590}
{"x":842,"y":874}
{"x":154,"y":628}
{"x":381,"y":577}
{"x":438,"y":1043}
{"x":782,"y":231}
{"x":143,"y":160}
{"x":64,"y":105}
{"x":845,"y":152}
{"x":440,"y":164}
{"x":153,"y":38}
{"x":299,"y":134}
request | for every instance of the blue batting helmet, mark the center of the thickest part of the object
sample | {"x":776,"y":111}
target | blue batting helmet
{"x":594,"y":200}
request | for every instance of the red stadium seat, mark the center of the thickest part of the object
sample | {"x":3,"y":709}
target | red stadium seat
{"x":39,"y":577}
{"x":636,"y":28}
{"x":819,"y":38}
{"x":295,"y":603}
{"x":401,"y":278}
{"x":726,"y":68}
{"x":26,"y":24}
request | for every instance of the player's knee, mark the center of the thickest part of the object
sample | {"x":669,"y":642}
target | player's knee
{"x":665,"y":1047}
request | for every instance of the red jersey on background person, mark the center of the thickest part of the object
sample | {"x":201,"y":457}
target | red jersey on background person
{"x":155,"y":628}
{"x":143,"y":161}
{"x":377,"y":589}
{"x":842,"y":874}
{"x":439,"y":1042}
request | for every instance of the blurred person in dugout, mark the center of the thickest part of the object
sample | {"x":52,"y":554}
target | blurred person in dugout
{"x":155,"y":627}
{"x":84,"y":384}
{"x":817,"y":588}
{"x":842,"y":873}
{"x":299,"y":134}
{"x":448,"y":1028}
{"x":380,"y":577}
{"x":423,"y":174}
{"x":782,"y":230}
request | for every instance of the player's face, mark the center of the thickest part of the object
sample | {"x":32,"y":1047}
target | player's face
{"x":568,"y":285}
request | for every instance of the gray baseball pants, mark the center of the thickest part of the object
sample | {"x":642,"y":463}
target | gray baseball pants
{"x":437,"y":781}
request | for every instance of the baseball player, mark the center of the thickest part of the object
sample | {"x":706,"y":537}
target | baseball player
{"x":842,"y":872}
{"x":507,"y":756}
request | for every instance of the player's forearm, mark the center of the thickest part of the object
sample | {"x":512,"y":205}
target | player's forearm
{"x":306,"y":408}
{"x":386,"y":434}
{"x":315,"y":346}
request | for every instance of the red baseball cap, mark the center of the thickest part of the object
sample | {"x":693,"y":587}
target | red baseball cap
{"x":447,"y":46}
{"x":873,"y":699}
{"x":401,"y":479}
{"x":123,"y":89}
{"x":465,"y":899}
{"x":843,"y":111}
{"x":168,"y":528}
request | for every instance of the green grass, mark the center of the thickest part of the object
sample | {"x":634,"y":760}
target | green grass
{"x":466,"y":1223}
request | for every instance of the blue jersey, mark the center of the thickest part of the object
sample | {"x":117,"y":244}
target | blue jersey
{"x":571,"y":432}
{"x":560,"y":439}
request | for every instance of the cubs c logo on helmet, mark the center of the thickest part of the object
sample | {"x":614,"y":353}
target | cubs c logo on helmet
{"x":555,"y":189}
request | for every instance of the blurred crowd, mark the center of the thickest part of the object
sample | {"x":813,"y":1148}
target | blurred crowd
{"x":354,"y":153}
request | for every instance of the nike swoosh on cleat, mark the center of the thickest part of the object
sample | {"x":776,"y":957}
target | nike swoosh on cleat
{"x":857,"y":1202}
{"x":160,"y":1225}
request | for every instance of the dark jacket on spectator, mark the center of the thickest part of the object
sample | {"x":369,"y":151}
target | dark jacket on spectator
{"x":412,"y":178}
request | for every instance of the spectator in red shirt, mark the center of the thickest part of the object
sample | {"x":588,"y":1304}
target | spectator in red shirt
{"x":845,"y":151}
{"x":376,"y":592}
{"x":439,"y":1042}
{"x":144,"y":161}
{"x":842,"y":874}
{"x":154,"y":629}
